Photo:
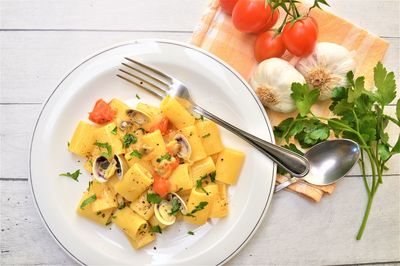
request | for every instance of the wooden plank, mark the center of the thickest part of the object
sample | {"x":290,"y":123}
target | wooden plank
{"x":103,"y":15}
{"x":162,"y":15}
{"x":295,"y":230}
{"x":17,"y":130}
{"x":24,"y":80}
{"x":300,"y":232}
{"x":26,"y":240}
{"x":25,"y":76}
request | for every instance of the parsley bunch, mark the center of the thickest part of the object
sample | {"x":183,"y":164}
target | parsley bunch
{"x":358,"y":115}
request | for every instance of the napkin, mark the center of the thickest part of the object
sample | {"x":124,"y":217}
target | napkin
{"x":216,"y":34}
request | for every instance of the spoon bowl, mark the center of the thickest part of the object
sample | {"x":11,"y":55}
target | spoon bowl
{"x":329,"y":161}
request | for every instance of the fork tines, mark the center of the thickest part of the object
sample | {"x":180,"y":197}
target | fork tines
{"x":145,"y":77}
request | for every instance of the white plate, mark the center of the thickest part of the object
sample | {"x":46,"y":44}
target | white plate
{"x":214,"y":85}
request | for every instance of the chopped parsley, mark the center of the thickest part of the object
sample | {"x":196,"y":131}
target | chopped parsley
{"x":114,"y":131}
{"x":156,"y":229}
{"x":199,"y":207}
{"x":90,"y":184}
{"x":128,"y":139}
{"x":206,"y":135}
{"x":74,"y":175}
{"x":88,"y":201}
{"x":154,"y":198}
{"x":137,"y":96}
{"x":166,"y":156}
{"x":212,"y":176}
{"x":137,"y":154}
{"x":69,"y":144}
{"x":190,"y":233}
{"x":176,"y":206}
{"x":121,"y":205}
{"x":104,"y":145}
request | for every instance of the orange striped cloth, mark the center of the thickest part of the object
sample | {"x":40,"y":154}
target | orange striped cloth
{"x":216,"y":34}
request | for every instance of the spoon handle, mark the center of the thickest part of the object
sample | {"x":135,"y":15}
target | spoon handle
{"x":292,"y":162}
{"x":285,"y":184}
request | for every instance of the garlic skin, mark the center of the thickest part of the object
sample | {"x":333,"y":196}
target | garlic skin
{"x":272,"y":83}
{"x":326,"y":67}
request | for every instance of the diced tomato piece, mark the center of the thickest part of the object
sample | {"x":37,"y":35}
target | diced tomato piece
{"x":162,"y":126}
{"x":102,"y":112}
{"x":161,"y":185}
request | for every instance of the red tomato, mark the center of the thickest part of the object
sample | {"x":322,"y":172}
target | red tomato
{"x":161,"y":185}
{"x":251,"y":16}
{"x":271,"y":23}
{"x":268,"y":45}
{"x":162,"y":126}
{"x":227,"y":5}
{"x":301,"y":37}
{"x":102,"y":112}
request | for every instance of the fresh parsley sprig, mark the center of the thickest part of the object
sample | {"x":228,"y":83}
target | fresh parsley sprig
{"x":359,"y":115}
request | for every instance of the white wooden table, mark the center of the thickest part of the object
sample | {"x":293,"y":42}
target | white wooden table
{"x":42,"y":40}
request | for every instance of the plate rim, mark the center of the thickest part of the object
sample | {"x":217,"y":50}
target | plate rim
{"x":165,"y":41}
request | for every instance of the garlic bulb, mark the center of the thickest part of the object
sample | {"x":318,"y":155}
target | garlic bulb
{"x":326,"y":67}
{"x":272,"y":83}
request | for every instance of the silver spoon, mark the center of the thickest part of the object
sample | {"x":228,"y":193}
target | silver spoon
{"x":329,"y":161}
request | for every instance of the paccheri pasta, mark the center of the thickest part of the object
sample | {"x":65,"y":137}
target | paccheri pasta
{"x":150,"y":165}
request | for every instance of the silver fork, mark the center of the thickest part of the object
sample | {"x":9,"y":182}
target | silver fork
{"x":161,"y":85}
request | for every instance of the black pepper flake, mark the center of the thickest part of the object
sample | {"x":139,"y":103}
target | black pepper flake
{"x":154,"y":248}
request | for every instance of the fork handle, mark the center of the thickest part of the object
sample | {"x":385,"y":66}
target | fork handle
{"x":292,"y":162}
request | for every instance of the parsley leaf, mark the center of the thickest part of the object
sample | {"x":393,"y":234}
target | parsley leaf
{"x":166,"y":156}
{"x":137,"y":96}
{"x":385,"y":83}
{"x":137,"y":154}
{"x":156,"y":229}
{"x":114,"y":131}
{"x":212,"y":176}
{"x":74,"y":175}
{"x":303,"y":97}
{"x":176,"y":206}
{"x":190,"y":233}
{"x":199,"y":207}
{"x":107,"y":146}
{"x":398,"y":109}
{"x":199,"y":183}
{"x":356,"y":90}
{"x":128,"y":139}
{"x":88,"y":201}
{"x":154,"y":198}
{"x":206,"y":135}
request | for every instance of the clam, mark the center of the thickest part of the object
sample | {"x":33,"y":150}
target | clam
{"x":138,"y":117}
{"x":167,"y":209}
{"x":184,"y":149}
{"x":124,"y":124}
{"x":104,"y":169}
